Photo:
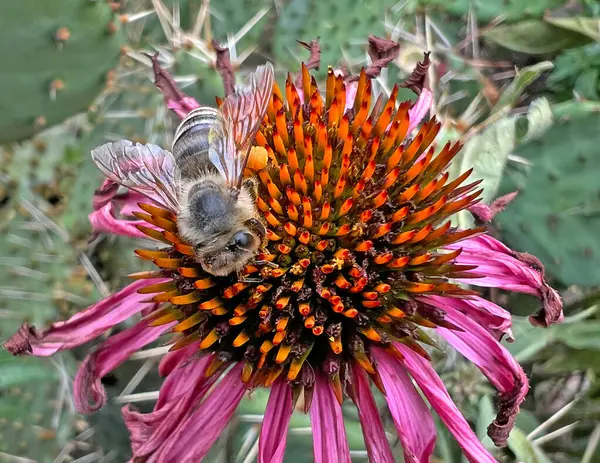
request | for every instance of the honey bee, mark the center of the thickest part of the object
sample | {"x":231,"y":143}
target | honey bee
{"x":202,"y":179}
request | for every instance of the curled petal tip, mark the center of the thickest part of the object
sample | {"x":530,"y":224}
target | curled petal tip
{"x":551,"y":311}
{"x":552,"y":305}
{"x":19,"y":343}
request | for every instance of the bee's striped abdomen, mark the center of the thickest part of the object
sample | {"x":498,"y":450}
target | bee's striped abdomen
{"x":190,"y":144}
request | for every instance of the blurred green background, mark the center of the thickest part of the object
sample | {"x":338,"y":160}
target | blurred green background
{"x":517,"y":80}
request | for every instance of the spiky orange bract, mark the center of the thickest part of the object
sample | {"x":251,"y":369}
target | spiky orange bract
{"x":357,"y":217}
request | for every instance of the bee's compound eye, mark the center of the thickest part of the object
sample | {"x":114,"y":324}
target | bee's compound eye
{"x":243,"y":239}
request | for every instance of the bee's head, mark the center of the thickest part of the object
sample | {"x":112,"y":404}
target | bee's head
{"x":222,"y":228}
{"x":226,"y":256}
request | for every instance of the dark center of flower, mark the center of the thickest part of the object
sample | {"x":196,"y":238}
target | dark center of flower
{"x":357,"y":219}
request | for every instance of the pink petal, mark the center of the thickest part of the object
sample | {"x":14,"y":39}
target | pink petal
{"x":482,"y":211}
{"x":378,"y":447}
{"x":183,"y":106}
{"x":194,"y":436}
{"x":112,"y":210}
{"x":105,"y":194}
{"x":329,"y":434}
{"x":351,"y":88}
{"x":496,"y":363}
{"x":83,"y":326}
{"x":273,"y":434}
{"x":419,"y":109}
{"x":88,"y":393}
{"x":175,"y":384}
{"x":490,"y":316}
{"x":128,"y":203}
{"x":125,"y":203}
{"x":300,"y":92}
{"x":407,"y":407}
{"x":104,"y":221}
{"x":512,"y":271}
{"x":434,"y":390}
{"x":486,"y":213}
{"x":176,"y":358}
{"x":179,"y":395}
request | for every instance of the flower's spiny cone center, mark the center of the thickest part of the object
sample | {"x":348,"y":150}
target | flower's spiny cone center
{"x":356,"y":215}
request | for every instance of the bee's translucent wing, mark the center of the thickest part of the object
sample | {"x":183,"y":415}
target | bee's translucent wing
{"x":147,"y":169}
{"x":240,"y":118}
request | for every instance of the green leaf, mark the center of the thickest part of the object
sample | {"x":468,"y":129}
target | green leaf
{"x":526,"y":421}
{"x":566,"y":360}
{"x":539,"y":119}
{"x":529,"y":340}
{"x":524,"y":78}
{"x":446,"y":447}
{"x":587,"y":84}
{"x":589,"y":27}
{"x":487,"y":152}
{"x":575,"y":108}
{"x":582,"y":335}
{"x":525,"y":450}
{"x":534,"y":37}
{"x":486,"y":416}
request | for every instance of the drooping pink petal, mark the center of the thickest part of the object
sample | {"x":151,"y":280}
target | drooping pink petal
{"x":128,"y":203}
{"x":88,"y":393}
{"x":273,"y":434}
{"x":175,"y":384}
{"x":496,"y":363}
{"x":113,"y":211}
{"x":194,"y":436}
{"x":407,"y":408}
{"x":434,"y":390}
{"x":378,"y":447}
{"x":327,"y":422}
{"x":176,"y":100}
{"x":105,"y":194}
{"x":179,"y":396}
{"x":490,"y":316}
{"x":83,"y":326}
{"x":104,"y":221}
{"x":512,"y":271}
{"x":486,"y":213}
{"x":174,"y":359}
{"x":182,"y":106}
{"x":420,"y":108}
{"x":125,"y":203}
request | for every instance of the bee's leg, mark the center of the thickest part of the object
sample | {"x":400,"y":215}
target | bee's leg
{"x":247,"y":279}
{"x":251,"y":185}
{"x":266,"y":263}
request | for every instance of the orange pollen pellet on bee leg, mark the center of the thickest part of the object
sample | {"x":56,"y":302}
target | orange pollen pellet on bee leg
{"x":257,"y":159}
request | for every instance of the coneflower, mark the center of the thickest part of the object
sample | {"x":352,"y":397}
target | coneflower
{"x":358,"y":206}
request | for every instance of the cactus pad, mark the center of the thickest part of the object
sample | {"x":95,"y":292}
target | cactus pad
{"x":337,"y":25}
{"x":486,"y":10}
{"x":556,"y":216}
{"x":60,"y":54}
